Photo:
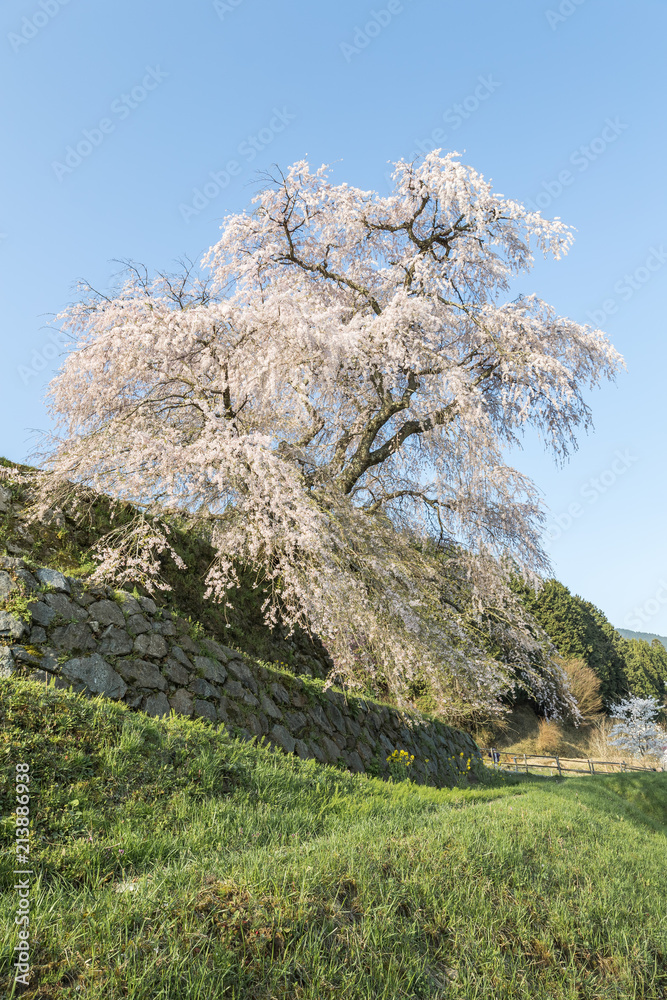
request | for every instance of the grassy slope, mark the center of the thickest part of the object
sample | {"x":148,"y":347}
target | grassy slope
{"x":246,"y":874}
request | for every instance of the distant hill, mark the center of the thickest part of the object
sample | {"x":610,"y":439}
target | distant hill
{"x":646,"y":636}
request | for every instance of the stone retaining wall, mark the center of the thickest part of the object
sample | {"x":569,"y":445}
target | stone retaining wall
{"x":100,"y":641}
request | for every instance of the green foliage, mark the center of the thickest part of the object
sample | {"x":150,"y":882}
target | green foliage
{"x":18,"y":604}
{"x":646,"y":668}
{"x":579,"y":630}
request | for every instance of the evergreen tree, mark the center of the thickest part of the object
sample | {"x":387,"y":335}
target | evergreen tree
{"x":580,"y":630}
{"x":646,"y":668}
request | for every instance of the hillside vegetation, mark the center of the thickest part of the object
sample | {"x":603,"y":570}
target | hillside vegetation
{"x":646,"y":636}
{"x":172,"y":861}
{"x":578,"y":630}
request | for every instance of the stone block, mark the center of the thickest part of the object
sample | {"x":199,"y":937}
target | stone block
{"x":179,"y":655}
{"x":302,"y":749}
{"x":186,"y":643}
{"x":234,"y":690}
{"x":157,"y":705}
{"x":280,"y":694}
{"x":295,"y":721}
{"x":339,"y":740}
{"x":132,"y":699}
{"x":335,"y":716}
{"x":23,"y":656}
{"x":27,"y":579}
{"x":95,"y":674}
{"x":182,"y":703}
{"x":138,"y":624}
{"x":331,"y":751}
{"x":270,"y":707}
{"x":299,"y":699}
{"x":52,"y":578}
{"x":151,"y":645}
{"x":11,"y":562}
{"x":49,"y":660}
{"x":353,"y":728}
{"x":223,"y":713}
{"x":37,"y":635}
{"x":175,"y":672}
{"x":202,"y":688}
{"x":83,"y":598}
{"x":7,"y":667}
{"x":242,"y":673}
{"x":210,"y":669}
{"x":7,"y":585}
{"x":280,"y":736}
{"x":386,"y":743}
{"x":364,"y":752}
{"x":107,"y":613}
{"x":167,"y":629}
{"x":319,"y":719}
{"x":115,"y":641}
{"x":142,"y":673}
{"x":66,"y":608}
{"x":355,"y":763}
{"x":129,"y":604}
{"x":205,"y":710}
{"x":75,"y":636}
{"x":148,"y":605}
{"x":42,"y":613}
{"x":255,"y":726}
{"x":216,"y":649}
{"x":317,"y":752}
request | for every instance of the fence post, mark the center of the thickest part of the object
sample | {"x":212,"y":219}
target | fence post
{"x":516,"y":766}
{"x":525,"y":762}
{"x":592,"y":769}
{"x":558,"y":766}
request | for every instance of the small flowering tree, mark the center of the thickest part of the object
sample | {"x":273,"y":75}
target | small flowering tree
{"x":637,"y":731}
{"x":351,"y":366}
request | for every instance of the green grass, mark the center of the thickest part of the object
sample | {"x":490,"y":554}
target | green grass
{"x":173,"y":861}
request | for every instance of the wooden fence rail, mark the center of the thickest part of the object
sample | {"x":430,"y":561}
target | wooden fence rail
{"x":511,"y":762}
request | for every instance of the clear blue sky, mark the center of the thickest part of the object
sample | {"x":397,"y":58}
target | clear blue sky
{"x":529,"y":91}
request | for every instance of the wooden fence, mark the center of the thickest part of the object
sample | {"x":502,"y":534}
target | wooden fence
{"x":524,"y":762}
